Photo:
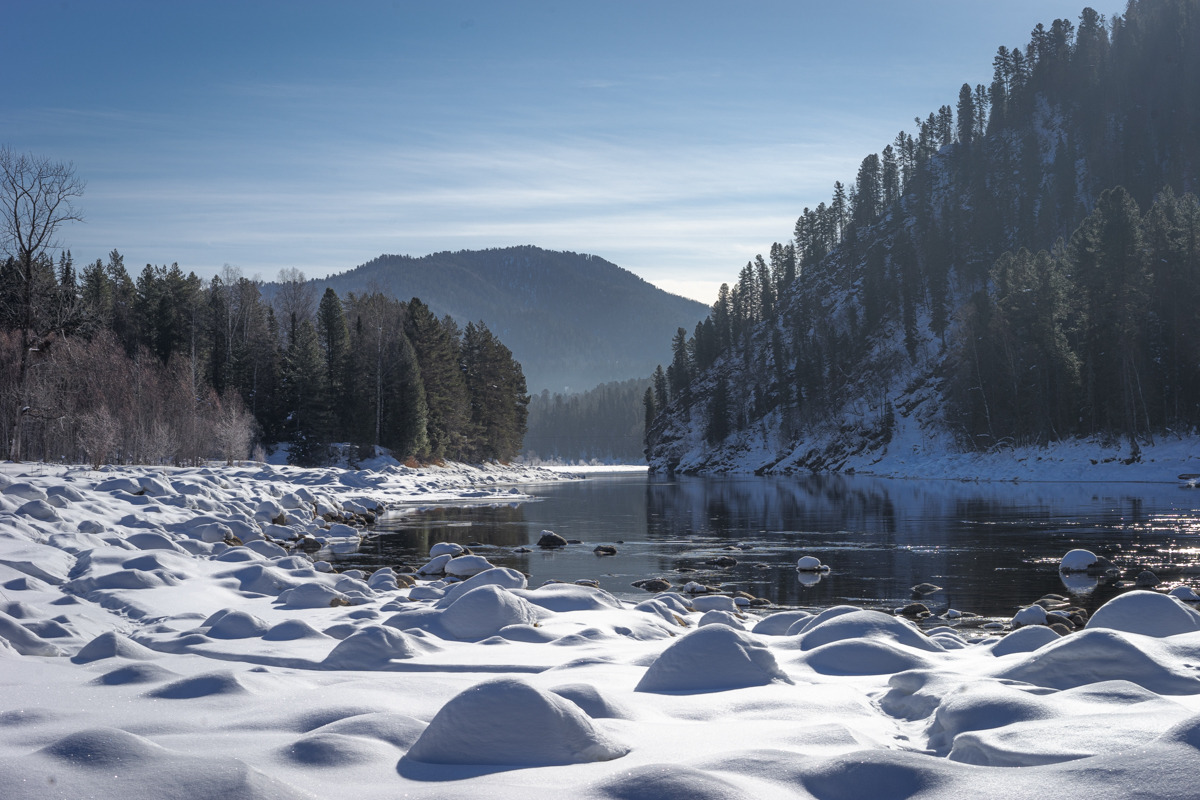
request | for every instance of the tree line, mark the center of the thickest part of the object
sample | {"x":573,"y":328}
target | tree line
{"x":98,"y":365}
{"x":602,"y":424}
{"x":927,"y":267}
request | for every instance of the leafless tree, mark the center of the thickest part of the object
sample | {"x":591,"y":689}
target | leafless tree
{"x":36,"y":199}
{"x":98,"y":433}
{"x":296,"y":298}
{"x":233,"y":429}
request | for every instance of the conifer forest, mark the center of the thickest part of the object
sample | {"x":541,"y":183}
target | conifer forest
{"x":1025,"y":262}
{"x":99,"y":366}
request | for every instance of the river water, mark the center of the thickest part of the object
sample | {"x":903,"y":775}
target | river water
{"x":992,"y":547}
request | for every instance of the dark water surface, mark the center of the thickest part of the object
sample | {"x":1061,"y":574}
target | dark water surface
{"x":993,"y":547}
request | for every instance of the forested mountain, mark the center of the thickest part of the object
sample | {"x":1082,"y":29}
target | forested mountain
{"x":572,"y":320}
{"x":604,"y":424}
{"x":168,"y":368}
{"x":1023,"y":267}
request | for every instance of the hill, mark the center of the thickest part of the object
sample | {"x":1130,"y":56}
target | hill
{"x":572,"y":320}
{"x":1022,"y":269}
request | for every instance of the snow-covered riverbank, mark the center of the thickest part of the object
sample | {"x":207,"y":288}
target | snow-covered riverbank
{"x":145,"y":654}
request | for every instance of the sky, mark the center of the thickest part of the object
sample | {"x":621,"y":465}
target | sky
{"x":675,"y":139}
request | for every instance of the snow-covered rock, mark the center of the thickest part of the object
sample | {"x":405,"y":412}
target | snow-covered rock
{"x":1147,"y":613}
{"x":1032,"y":615}
{"x":810,"y":564}
{"x":508,"y":722}
{"x":712,"y":659}
{"x":466,"y":566}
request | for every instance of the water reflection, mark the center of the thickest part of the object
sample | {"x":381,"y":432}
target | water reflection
{"x":993,"y":547}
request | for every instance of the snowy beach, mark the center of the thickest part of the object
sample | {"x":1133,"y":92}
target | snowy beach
{"x":179,"y":633}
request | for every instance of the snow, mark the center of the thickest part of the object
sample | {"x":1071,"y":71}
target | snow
{"x":1077,"y":561}
{"x":143,"y":657}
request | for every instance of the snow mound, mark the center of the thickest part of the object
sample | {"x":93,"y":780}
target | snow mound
{"x":777,"y":624}
{"x":803,"y":624}
{"x":712,"y":659}
{"x":1025,"y":640}
{"x":810,"y":564}
{"x":1147,"y":613}
{"x":398,"y":730}
{"x":721,"y":618}
{"x":1185,"y":593}
{"x":371,"y":648}
{"x":40,"y":510}
{"x":149,"y":540}
{"x":23,"y":640}
{"x":1096,"y":655}
{"x":313,"y":595}
{"x":467,"y":566}
{"x":25,"y":491}
{"x":668,"y":782}
{"x":212,"y":683}
{"x":510,"y":723}
{"x":436,"y":565}
{"x":445,"y":549}
{"x":237,"y":625}
{"x":106,"y":762}
{"x":1077,"y":561}
{"x":134,"y":674}
{"x":563,"y":597}
{"x":715,"y":602}
{"x":320,"y":750}
{"x":594,"y":704}
{"x":1031,"y":615}
{"x":483,"y":611}
{"x":498,"y":576}
{"x":865,"y":625}
{"x":291,"y":630}
{"x":111,"y":644}
{"x":863,"y":657}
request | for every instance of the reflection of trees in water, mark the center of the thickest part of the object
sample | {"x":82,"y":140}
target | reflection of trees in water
{"x":880,"y":537}
{"x":734,"y":507}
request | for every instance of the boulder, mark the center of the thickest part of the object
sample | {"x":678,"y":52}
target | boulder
{"x":446,"y":548}
{"x":810,"y":564}
{"x":467,"y":566}
{"x":1077,"y":561}
{"x":550,"y":539}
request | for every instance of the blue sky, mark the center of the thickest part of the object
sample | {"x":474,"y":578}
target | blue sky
{"x":675,"y":139}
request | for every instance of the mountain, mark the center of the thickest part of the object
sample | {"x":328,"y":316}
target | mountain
{"x":572,"y":320}
{"x":1022,"y":269}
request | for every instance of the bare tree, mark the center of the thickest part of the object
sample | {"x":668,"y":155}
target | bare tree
{"x":36,"y":198}
{"x":296,"y":299}
{"x":98,"y":435}
{"x":233,"y":429}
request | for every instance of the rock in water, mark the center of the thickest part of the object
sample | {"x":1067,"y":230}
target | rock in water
{"x":1077,"y":561}
{"x":1033,"y":615}
{"x":922,"y":589}
{"x":1147,"y":580}
{"x":551,"y":539}
{"x":451,"y":549}
{"x":810,"y":564}
{"x":507,"y":722}
{"x":712,"y":659}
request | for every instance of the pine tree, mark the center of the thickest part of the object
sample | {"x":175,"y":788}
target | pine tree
{"x":306,"y":395}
